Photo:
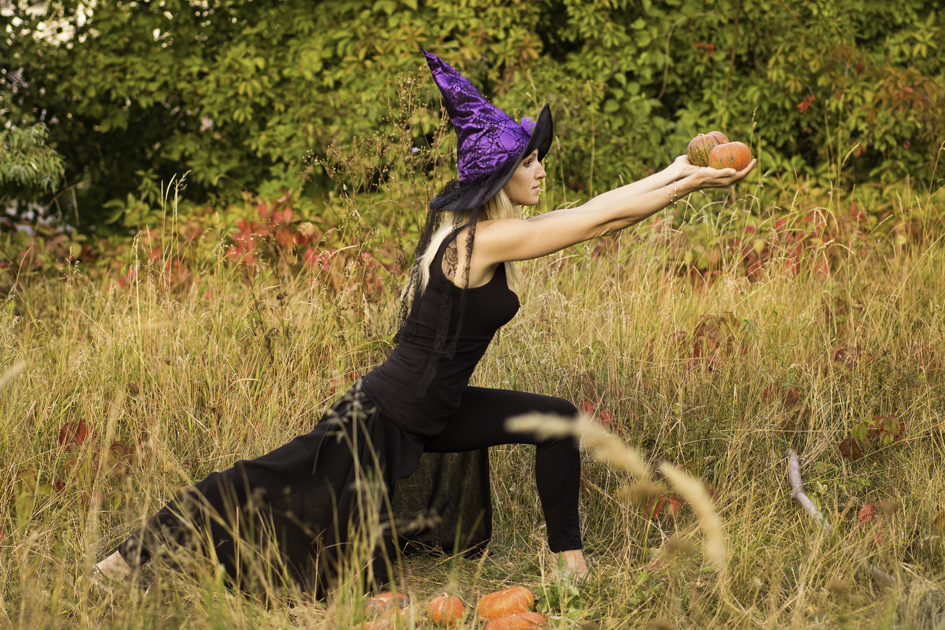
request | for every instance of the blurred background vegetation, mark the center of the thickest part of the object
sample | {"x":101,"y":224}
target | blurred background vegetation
{"x":239,"y":93}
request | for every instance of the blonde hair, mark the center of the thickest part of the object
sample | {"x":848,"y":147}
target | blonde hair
{"x":499,"y":207}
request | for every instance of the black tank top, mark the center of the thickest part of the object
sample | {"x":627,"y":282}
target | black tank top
{"x":393,"y":385}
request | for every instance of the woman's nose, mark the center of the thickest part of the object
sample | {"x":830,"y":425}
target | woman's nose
{"x":541,"y":172}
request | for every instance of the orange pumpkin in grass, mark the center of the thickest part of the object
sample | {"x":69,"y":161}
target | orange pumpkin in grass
{"x":516,"y":599}
{"x":700,"y":147}
{"x":385,"y":603}
{"x":518,"y":621}
{"x":445,"y":610}
{"x":730,"y":155}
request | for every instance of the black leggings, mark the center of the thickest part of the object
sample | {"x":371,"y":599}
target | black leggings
{"x":307,"y":489}
{"x":480,"y":422}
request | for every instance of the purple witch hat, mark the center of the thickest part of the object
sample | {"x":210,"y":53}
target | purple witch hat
{"x":490,"y":144}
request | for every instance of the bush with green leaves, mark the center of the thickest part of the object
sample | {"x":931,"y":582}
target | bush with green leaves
{"x":238,"y":93}
{"x":28,"y":167}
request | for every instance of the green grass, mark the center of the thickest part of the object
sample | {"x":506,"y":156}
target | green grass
{"x":231,"y":368}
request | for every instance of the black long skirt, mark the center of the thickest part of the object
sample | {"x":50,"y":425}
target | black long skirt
{"x":334,"y":504}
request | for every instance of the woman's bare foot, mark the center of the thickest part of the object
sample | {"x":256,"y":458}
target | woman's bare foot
{"x":114,"y":567}
{"x":572,"y":564}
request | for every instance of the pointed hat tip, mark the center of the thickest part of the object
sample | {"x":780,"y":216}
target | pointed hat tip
{"x":432,"y":60}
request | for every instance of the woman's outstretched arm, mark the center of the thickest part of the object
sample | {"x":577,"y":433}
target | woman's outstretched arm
{"x":504,"y":240}
{"x":679,"y":169}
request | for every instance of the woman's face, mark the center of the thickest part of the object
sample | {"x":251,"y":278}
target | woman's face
{"x":524,"y":187}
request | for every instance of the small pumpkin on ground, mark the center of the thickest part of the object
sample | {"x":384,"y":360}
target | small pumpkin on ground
{"x":446,"y":610}
{"x":516,"y":599}
{"x":700,"y":147}
{"x":518,"y":621}
{"x":385,"y":603}
{"x":730,"y":155}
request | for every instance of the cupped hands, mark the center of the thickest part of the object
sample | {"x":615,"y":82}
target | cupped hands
{"x":701,"y":177}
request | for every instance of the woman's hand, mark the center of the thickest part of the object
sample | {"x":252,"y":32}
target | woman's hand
{"x":707,"y":177}
{"x":683,"y":168}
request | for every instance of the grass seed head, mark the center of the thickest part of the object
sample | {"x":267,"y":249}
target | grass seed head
{"x":602,"y":444}
{"x":839,"y":588}
{"x":640,"y":492}
{"x":887,"y":506}
{"x":698,"y":497}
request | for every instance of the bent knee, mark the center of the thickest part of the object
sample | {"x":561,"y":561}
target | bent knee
{"x":562,"y":407}
{"x":567,"y":411}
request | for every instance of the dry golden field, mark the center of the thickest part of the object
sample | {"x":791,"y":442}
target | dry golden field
{"x":114,"y":397}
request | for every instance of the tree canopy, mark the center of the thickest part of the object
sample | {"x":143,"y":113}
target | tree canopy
{"x":238,"y":93}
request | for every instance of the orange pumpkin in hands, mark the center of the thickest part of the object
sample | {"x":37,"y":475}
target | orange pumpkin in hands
{"x":516,"y":599}
{"x":519,"y":621}
{"x":445,"y":610}
{"x":730,"y":155}
{"x":700,"y":147}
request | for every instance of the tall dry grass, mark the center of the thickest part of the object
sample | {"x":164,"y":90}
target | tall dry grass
{"x":173,"y":386}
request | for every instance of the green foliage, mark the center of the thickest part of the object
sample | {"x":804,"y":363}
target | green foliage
{"x":239,"y":93}
{"x":27,"y":165}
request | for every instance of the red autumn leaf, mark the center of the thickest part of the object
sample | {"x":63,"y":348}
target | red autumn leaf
{"x":264,"y":210}
{"x":770,"y":392}
{"x":654,"y":507}
{"x":867,"y":514}
{"x":73,"y":433}
{"x":587,"y":407}
{"x":791,"y":396}
{"x":285,"y":237}
{"x":675,"y":505}
{"x":606,"y":418}
{"x":850,"y":448}
{"x":121,"y":448}
{"x":667,"y":506}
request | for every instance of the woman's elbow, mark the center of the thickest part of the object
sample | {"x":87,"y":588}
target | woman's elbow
{"x":612,"y":227}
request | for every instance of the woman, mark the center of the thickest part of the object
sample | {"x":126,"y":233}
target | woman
{"x":309,"y":500}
